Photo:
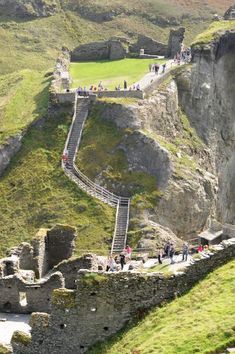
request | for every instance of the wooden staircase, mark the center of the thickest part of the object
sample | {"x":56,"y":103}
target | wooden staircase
{"x":122,"y":205}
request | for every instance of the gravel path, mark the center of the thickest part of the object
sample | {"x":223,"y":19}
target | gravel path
{"x":10,"y":323}
{"x":151,"y":77}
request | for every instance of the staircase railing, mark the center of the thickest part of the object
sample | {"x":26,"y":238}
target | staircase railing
{"x":91,"y":187}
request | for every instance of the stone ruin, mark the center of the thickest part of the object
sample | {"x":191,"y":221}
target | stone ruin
{"x":102,"y":303}
{"x":31,"y":271}
{"x":119,"y":48}
{"x":61,"y":78}
{"x":149,"y":45}
{"x":230,"y":13}
{"x":112,"y":49}
{"x":175,"y":41}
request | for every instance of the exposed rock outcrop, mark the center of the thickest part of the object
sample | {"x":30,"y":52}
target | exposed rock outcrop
{"x":230,"y":13}
{"x":206,"y":92}
{"x":149,"y":45}
{"x":175,"y":42}
{"x":8,"y":150}
{"x":112,"y":49}
{"x":25,"y":8}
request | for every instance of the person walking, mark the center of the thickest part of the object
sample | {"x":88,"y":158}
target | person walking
{"x":156,"y":68}
{"x":159,"y":255}
{"x":163,"y":68}
{"x":185,"y":252}
{"x":150,"y":67}
{"x":122,"y":259}
{"x":167,"y":249}
{"x":171,"y":253}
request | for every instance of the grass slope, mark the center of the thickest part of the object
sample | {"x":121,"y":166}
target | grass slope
{"x":23,"y":98}
{"x":111,"y":73}
{"x":213,"y":32}
{"x":34,"y":193}
{"x":101,"y":153}
{"x":202,"y":321}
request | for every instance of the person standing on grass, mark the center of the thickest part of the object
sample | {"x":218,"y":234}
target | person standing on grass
{"x":125,"y":85}
{"x":185,"y":252}
{"x":150,"y":67}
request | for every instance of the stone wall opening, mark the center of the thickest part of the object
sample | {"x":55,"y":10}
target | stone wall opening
{"x":7,"y":306}
{"x":23,"y":299}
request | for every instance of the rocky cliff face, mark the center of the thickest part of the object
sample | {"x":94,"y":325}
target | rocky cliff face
{"x":32,"y":8}
{"x":163,"y":145}
{"x":207,"y":94}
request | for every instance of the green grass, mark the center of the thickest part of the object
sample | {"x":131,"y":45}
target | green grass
{"x":34,"y":193}
{"x":23,"y":99}
{"x":213,"y":32}
{"x":111,"y":73}
{"x":100,"y":152}
{"x":202,"y":321}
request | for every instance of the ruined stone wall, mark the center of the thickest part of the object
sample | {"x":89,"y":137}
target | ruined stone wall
{"x":69,"y":97}
{"x":69,"y":268}
{"x":149,"y":45}
{"x":40,"y":257}
{"x":103,"y":303}
{"x":37,"y":295}
{"x":112,"y":49}
{"x":175,"y":42}
{"x":59,"y":244}
{"x":61,"y":79}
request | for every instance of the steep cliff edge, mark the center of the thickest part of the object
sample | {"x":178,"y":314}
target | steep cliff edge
{"x":207,"y":94}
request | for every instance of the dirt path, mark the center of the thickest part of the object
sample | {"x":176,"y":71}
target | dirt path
{"x":10,"y":323}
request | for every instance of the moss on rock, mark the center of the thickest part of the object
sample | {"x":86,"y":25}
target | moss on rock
{"x":5,"y":349}
{"x":63,"y":298}
{"x":20,"y":337}
{"x":94,"y":278}
{"x":39,"y":320}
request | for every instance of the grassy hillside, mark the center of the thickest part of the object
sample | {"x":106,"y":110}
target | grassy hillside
{"x":214,"y":31}
{"x":23,"y":98}
{"x":202,"y":321}
{"x":34,"y":193}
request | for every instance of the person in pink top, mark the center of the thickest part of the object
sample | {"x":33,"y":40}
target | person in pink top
{"x":128,"y":250}
{"x":200,"y":248}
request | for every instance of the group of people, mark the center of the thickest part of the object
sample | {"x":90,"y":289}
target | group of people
{"x":168,"y":251}
{"x":157,"y":68}
{"x":125,"y":87}
{"x":184,"y":56}
{"x":116,"y":263}
{"x":83,"y":91}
